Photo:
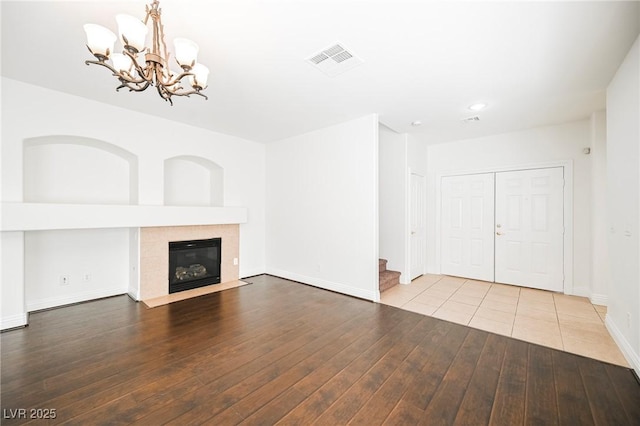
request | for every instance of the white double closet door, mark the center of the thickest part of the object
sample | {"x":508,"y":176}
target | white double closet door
{"x":504,"y":227}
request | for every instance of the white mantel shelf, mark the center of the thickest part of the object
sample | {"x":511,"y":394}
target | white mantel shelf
{"x":47,"y":216}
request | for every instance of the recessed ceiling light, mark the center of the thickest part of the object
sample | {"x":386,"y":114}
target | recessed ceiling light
{"x":416,"y":123}
{"x":478,"y":106}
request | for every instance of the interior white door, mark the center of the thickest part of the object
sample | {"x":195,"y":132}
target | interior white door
{"x":418,"y":241}
{"x":529,"y":228}
{"x":467,"y":222}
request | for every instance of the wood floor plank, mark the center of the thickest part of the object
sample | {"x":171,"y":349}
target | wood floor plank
{"x":421,"y":391}
{"x":289,"y":342}
{"x":404,"y":414}
{"x":541,"y":402}
{"x":100,"y":392}
{"x":351,"y":400}
{"x":573,"y":404}
{"x":270,"y":414}
{"x":443,"y":407}
{"x":149,"y":351}
{"x":627,"y":389}
{"x":386,"y":398}
{"x":509,"y":403}
{"x":340,"y":373}
{"x":606,"y":408}
{"x":280,"y":352}
{"x":260,"y":389}
{"x":478,"y":399}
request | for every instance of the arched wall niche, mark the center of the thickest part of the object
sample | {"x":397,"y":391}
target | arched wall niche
{"x":193,"y":181}
{"x":78,"y":170}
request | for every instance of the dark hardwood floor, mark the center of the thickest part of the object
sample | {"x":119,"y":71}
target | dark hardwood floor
{"x":282,"y":352}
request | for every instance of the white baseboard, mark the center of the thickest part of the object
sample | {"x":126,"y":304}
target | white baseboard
{"x":579,"y":291}
{"x":625,"y":347}
{"x":251,"y":272}
{"x":599,"y":299}
{"x":14,"y":321}
{"x":134,"y":293}
{"x":53,"y":302}
{"x":327,"y":285}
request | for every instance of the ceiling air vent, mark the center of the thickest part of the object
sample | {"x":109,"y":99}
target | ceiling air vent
{"x":334,"y":60}
{"x":471,"y":119}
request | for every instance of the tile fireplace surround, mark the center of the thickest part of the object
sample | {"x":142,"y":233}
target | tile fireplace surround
{"x":154,"y":254}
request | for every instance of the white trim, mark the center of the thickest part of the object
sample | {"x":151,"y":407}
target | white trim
{"x":406,"y":274}
{"x":374,"y":296}
{"x":13,"y":321}
{"x":567,"y":166}
{"x":134,"y":264}
{"x":599,"y":299}
{"x":45,"y":216}
{"x":53,"y":302}
{"x":625,"y":347}
{"x":408,"y":223}
{"x":251,"y":273}
{"x":582,"y":292}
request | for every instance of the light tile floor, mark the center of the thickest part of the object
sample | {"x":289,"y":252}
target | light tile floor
{"x":568,"y":323}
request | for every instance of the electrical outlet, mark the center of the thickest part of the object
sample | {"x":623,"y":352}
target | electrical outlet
{"x":64,"y":279}
{"x":235,"y":261}
{"x":86,"y":277}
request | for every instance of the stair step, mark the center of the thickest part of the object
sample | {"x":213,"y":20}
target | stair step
{"x":382,"y":265}
{"x":388,"y":279}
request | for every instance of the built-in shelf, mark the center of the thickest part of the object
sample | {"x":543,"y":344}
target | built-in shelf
{"x":47,"y":216}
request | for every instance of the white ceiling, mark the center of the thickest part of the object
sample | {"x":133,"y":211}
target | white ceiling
{"x":534,"y":63}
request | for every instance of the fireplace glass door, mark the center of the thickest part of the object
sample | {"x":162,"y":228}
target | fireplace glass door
{"x":194,"y":264}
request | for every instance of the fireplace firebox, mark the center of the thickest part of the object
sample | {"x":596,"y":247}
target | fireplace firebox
{"x":194,"y":264}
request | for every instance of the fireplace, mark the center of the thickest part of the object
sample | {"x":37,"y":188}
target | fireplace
{"x":194,"y":263}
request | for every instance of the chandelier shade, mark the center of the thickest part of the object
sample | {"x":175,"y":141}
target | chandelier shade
{"x":186,"y":52}
{"x":132,"y":30}
{"x":200,"y":76}
{"x":121,"y":62}
{"x":100,"y":40}
{"x":139,"y":66}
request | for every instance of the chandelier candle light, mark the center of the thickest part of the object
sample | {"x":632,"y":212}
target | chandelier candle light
{"x":155,"y":71}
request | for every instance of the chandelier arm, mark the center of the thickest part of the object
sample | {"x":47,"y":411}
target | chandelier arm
{"x":188,"y":93}
{"x":133,"y":86}
{"x":192,"y":92}
{"x":142,"y":72}
{"x":124,"y":77}
{"x":164,"y":94}
{"x":177,"y":78}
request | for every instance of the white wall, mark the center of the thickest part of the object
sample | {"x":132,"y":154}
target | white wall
{"x":322,"y":208}
{"x":193,"y":181}
{"x":539,"y":145}
{"x":623,"y":201}
{"x":599,"y":251}
{"x":53,"y":174}
{"x":417,"y":153}
{"x":392,"y":178}
{"x":93,"y":260}
{"x":30,"y":111}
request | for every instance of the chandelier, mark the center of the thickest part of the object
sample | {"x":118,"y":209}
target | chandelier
{"x":128,"y":67}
